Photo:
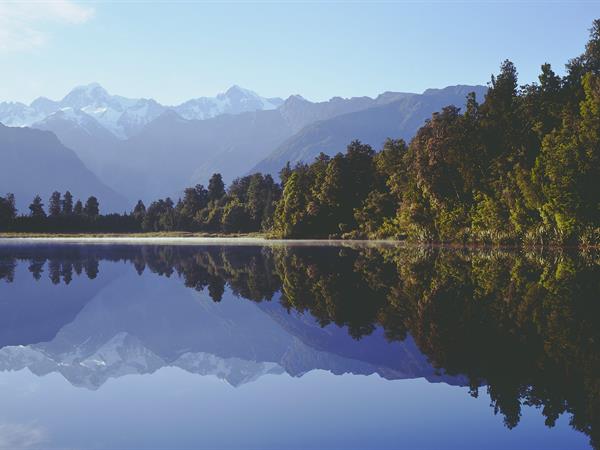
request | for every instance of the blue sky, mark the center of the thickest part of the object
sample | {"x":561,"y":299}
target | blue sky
{"x":173,"y":51}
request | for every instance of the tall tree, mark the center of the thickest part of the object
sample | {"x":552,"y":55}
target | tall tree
{"x":67,"y":204}
{"x":194,"y":199}
{"x":78,"y":208}
{"x":37,"y":208}
{"x":92,"y":207}
{"x":139,"y":211}
{"x":54,"y":206}
{"x":8,"y":210}
{"x":216,"y":187}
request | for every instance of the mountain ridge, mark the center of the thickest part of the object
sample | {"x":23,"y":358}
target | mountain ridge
{"x":124,"y":116}
{"x":31,"y":160}
{"x":160,"y":152}
{"x":398,"y":116}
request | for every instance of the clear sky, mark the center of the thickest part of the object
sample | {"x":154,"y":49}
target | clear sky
{"x":173,"y":51}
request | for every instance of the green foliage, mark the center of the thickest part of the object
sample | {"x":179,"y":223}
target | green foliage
{"x":67,"y":204}
{"x":139,"y":211}
{"x":37,"y":208}
{"x":54,"y":205}
{"x":291,"y":216}
{"x":194,"y":199}
{"x":487,"y":219}
{"x":160,"y":216}
{"x":8,"y":211}
{"x":78,"y":208}
{"x":320,"y":200}
{"x":236,"y":218}
{"x":521,"y":167}
{"x":216,"y":187}
{"x":92,"y":207}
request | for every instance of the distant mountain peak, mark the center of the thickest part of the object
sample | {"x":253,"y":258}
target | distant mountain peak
{"x":42,"y":102}
{"x":86,"y":95}
{"x":124,"y":117}
{"x":89,"y":87}
{"x":237,"y":93}
{"x":296,"y":98}
{"x":238,"y":89}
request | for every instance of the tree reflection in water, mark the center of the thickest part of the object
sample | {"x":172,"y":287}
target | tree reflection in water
{"x":524,"y":325}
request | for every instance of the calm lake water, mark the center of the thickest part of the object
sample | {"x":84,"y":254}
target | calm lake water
{"x":305,"y":347}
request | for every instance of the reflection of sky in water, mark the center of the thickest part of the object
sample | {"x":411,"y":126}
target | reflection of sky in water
{"x":173,"y":408}
{"x":125,"y":370}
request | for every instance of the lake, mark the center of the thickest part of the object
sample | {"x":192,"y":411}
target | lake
{"x":276,"y":346}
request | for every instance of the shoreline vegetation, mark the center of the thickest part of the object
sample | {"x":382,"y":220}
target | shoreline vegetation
{"x":519,"y":169}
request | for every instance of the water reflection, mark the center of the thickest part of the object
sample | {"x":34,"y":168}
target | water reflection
{"x":524,"y":327}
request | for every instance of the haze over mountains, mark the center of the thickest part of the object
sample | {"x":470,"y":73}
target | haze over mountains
{"x":141,"y":149}
{"x":35,"y":162}
{"x":123,"y":116}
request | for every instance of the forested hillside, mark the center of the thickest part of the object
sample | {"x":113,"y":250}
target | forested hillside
{"x":520,"y":166}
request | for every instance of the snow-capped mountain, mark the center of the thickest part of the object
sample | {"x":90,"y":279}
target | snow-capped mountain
{"x":16,"y":114}
{"x":235,"y":101}
{"x":76,"y":117}
{"x":124,"y":354}
{"x":123,"y":116}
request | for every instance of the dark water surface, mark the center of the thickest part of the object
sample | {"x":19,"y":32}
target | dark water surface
{"x":282,"y":346}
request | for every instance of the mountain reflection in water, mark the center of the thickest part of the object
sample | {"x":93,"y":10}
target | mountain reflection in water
{"x":525,"y":327}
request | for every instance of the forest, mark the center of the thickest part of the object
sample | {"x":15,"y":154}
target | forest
{"x":521,"y":167}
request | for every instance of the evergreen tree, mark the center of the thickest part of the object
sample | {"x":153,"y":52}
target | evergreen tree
{"x":194,"y":200}
{"x":216,"y":187}
{"x":92,"y":207}
{"x":139,"y":211}
{"x":285,"y":173}
{"x":78,"y":208}
{"x":291,"y":215}
{"x":37,"y":208}
{"x":8,"y":210}
{"x":67,"y":204}
{"x":54,"y":206}
{"x":235,"y":218}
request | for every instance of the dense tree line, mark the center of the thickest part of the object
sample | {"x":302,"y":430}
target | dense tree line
{"x":520,"y":167}
{"x":247,"y":205}
{"x":62,"y":214}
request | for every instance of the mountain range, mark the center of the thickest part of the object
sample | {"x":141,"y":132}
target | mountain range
{"x":123,"y":116}
{"x":141,"y":149}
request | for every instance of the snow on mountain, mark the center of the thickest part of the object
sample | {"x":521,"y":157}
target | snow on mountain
{"x":124,"y":354}
{"x":74,"y":120}
{"x":235,"y":101}
{"x":15,"y":114}
{"x":123,"y":116}
{"x":91,"y":95}
{"x":44,"y":105}
{"x":120,"y":115}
